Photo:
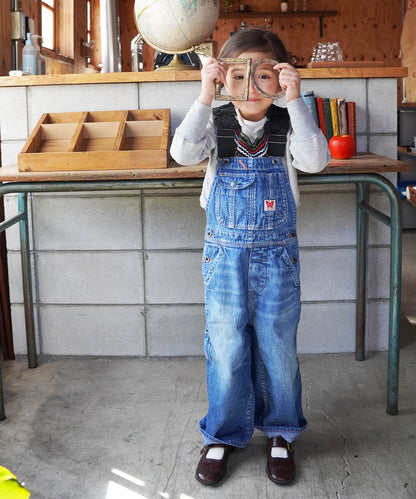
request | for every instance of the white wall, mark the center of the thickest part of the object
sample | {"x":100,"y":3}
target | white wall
{"x":119,"y":273}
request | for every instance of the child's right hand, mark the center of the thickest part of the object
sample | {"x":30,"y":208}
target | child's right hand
{"x":212,"y":73}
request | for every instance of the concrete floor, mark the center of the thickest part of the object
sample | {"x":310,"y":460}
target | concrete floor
{"x":127,"y":428}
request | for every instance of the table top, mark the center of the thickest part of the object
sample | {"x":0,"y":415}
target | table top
{"x":362,"y":163}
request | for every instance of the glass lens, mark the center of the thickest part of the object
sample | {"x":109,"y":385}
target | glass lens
{"x":235,"y":79}
{"x":265,"y":79}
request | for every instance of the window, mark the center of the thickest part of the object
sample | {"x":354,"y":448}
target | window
{"x":89,"y":19}
{"x":58,"y":27}
{"x":48,"y":24}
{"x":88,"y":24}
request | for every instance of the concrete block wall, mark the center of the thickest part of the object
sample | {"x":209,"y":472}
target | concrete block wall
{"x":118,"y":273}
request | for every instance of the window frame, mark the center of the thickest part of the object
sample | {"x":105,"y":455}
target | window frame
{"x":63,"y":30}
{"x":51,"y":8}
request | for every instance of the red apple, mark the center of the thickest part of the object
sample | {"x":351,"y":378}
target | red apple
{"x":341,"y":146}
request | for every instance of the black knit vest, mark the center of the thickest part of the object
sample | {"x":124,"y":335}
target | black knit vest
{"x":226,"y":124}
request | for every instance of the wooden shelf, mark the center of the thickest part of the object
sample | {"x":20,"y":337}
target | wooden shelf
{"x":180,"y":76}
{"x":406,"y":151}
{"x":362,"y":163}
{"x":290,"y":13}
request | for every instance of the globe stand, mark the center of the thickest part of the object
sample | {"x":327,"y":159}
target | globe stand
{"x":176,"y":65}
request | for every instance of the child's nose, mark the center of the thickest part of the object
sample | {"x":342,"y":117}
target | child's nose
{"x":251,"y":88}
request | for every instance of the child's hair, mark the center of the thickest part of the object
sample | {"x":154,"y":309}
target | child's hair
{"x":254,"y":40}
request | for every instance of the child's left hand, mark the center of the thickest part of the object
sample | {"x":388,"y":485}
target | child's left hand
{"x":289,"y":80}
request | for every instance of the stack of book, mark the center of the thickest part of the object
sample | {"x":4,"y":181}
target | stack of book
{"x":335,"y":116}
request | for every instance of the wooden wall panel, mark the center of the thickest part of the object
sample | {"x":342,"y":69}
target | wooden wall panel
{"x":128,"y":31}
{"x":367,"y":30}
{"x":5,"y":42}
{"x":32,"y":9}
{"x":54,"y":65}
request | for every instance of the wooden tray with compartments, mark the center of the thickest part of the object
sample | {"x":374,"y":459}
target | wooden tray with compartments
{"x":97,"y":140}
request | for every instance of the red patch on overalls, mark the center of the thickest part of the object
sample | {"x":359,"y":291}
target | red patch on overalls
{"x":269,"y":205}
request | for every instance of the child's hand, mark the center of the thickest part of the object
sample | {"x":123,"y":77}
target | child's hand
{"x":289,"y":80}
{"x":213,"y":72}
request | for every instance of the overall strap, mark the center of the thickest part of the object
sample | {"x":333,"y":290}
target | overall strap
{"x":277,"y":127}
{"x":229,"y":131}
{"x":226,"y":124}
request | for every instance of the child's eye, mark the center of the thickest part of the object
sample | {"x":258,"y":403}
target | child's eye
{"x":238,"y":77}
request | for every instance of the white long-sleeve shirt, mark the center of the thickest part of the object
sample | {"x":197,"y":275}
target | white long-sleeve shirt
{"x":195,"y":140}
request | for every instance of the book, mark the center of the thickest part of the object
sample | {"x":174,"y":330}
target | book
{"x":328,"y":119}
{"x":352,"y":123}
{"x":309,"y":99}
{"x":342,"y":116}
{"x":334,"y":116}
{"x":321,"y":116}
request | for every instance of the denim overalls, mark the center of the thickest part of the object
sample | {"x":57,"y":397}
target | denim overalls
{"x":252,"y":302}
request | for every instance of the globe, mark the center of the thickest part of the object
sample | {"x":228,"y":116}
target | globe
{"x":175,"y":26}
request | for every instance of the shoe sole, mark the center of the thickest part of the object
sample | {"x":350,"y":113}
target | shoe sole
{"x":280,"y":482}
{"x":210,"y":484}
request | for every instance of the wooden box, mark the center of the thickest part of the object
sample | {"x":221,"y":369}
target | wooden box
{"x":97,"y":140}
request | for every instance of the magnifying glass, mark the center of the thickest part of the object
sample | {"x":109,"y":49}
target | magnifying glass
{"x":240,"y":71}
{"x":265,"y":79}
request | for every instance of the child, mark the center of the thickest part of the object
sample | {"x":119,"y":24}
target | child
{"x":250,"y":261}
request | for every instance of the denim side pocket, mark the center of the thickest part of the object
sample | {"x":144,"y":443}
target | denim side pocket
{"x":290,"y":256}
{"x":211,"y":257}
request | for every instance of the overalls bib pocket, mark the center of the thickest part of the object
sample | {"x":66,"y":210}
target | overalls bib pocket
{"x":272,"y":200}
{"x":251,"y":201}
{"x":235,"y":200}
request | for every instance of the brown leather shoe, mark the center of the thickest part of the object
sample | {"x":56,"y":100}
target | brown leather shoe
{"x":210,"y":471}
{"x":280,"y":468}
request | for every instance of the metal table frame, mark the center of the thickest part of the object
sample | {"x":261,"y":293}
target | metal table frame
{"x":362,"y":182}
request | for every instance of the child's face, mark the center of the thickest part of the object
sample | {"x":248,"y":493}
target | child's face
{"x":255,"y":108}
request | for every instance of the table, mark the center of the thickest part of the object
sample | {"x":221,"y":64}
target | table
{"x":362,"y":170}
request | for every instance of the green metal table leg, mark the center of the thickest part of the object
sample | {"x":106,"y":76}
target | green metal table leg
{"x":395,"y":302}
{"x":27,"y":282}
{"x":362,"y":231}
{"x":394,"y":222}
